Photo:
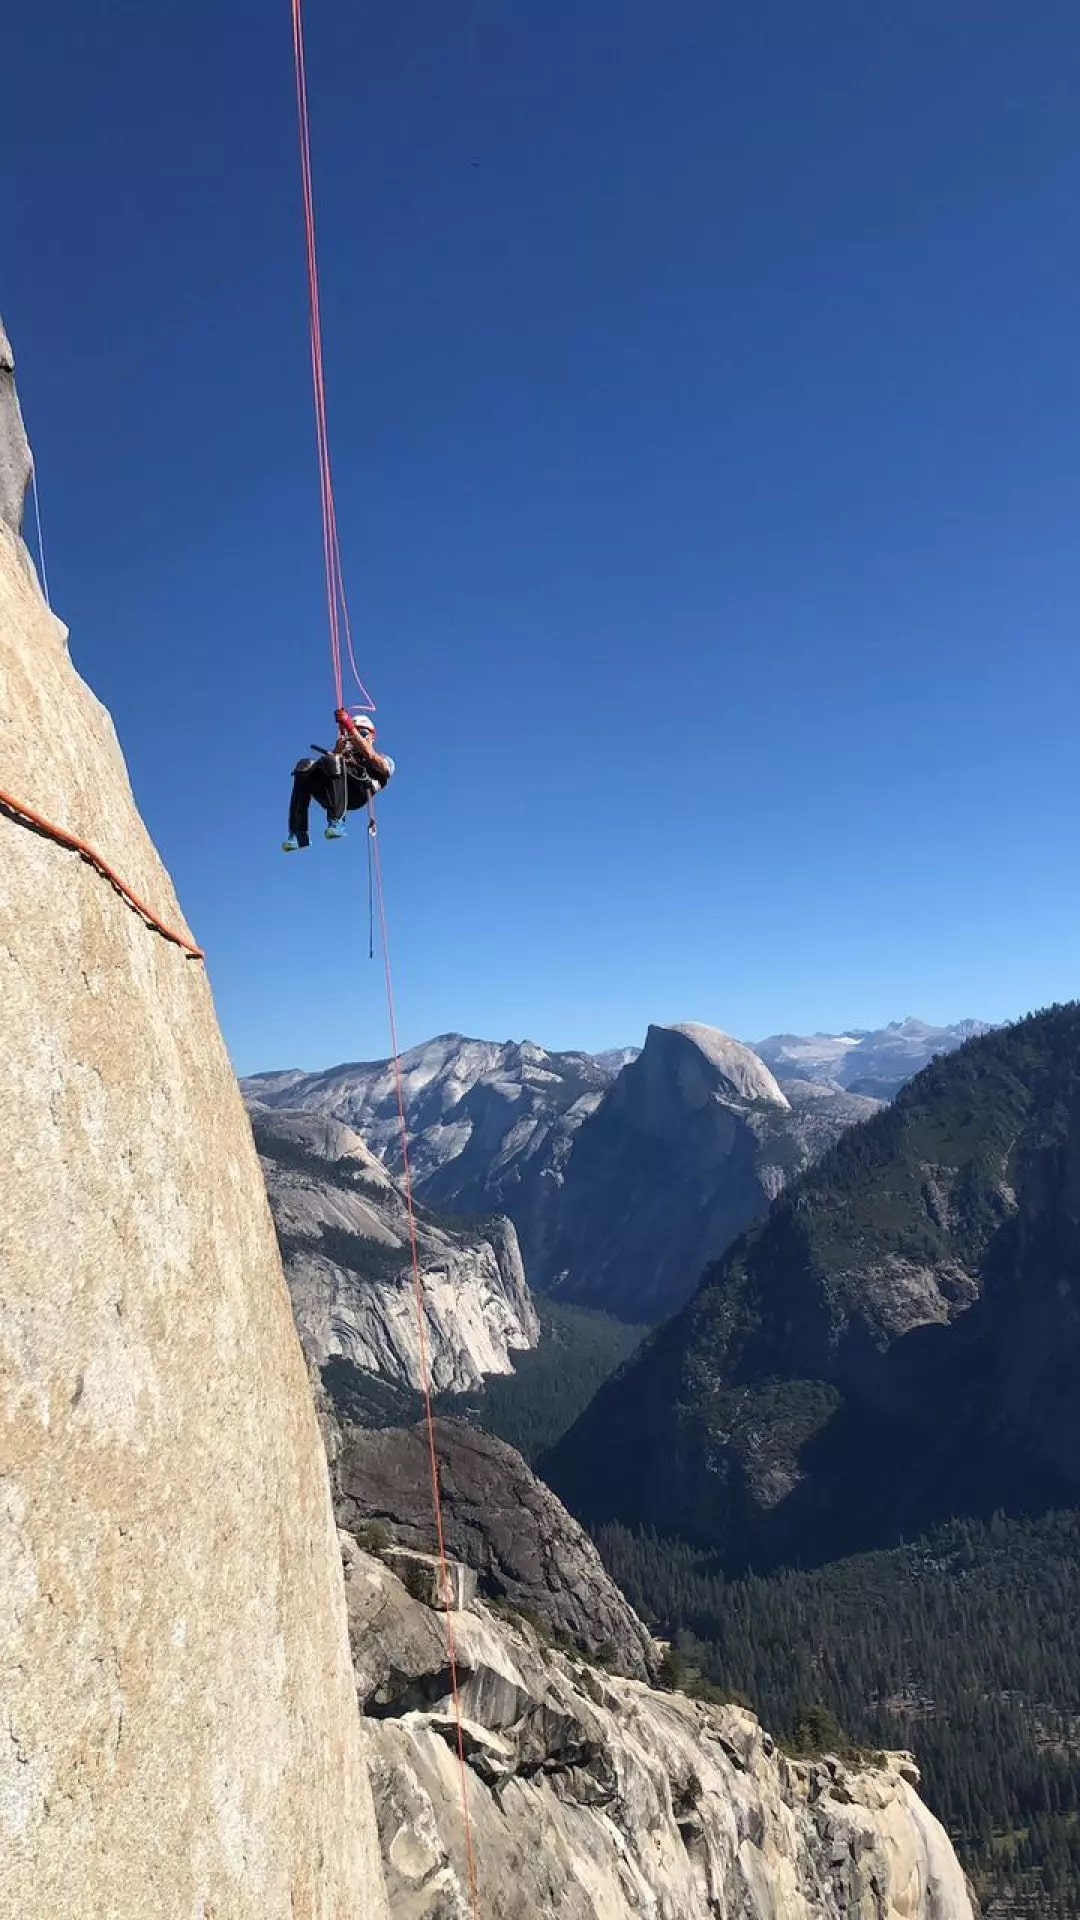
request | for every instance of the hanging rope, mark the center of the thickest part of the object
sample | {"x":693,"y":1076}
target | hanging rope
{"x":339,"y":625}
{"x":40,"y":541}
{"x":425,"y":1375}
{"x":365,"y":697}
{"x":336,"y":603}
{"x":371,"y":889}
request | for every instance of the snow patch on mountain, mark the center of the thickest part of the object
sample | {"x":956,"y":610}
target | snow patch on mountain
{"x":875,"y":1061}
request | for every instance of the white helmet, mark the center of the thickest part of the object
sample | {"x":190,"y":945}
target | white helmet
{"x":363,"y":723}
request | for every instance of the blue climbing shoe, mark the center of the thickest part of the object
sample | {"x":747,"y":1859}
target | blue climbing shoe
{"x":291,"y":845}
{"x":335,"y":830}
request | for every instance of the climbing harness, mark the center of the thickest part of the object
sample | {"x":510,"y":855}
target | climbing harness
{"x":25,"y":816}
{"x":339,"y":629}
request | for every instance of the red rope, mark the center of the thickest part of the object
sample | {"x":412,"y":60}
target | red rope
{"x":425,"y":1376}
{"x":336,"y":603}
{"x":330,"y":560}
{"x":25,"y":816}
{"x":366,"y":697}
{"x":338,"y":615}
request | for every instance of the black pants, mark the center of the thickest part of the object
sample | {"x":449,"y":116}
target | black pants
{"x":331,"y":785}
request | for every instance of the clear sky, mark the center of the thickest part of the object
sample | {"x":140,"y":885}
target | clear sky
{"x":705,"y":405}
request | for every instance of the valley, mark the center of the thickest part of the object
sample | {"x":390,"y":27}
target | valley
{"x":843,"y":1475}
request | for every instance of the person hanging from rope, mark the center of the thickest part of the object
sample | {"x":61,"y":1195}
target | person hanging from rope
{"x":340,"y":782}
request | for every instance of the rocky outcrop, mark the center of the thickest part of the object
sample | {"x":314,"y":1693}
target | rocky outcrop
{"x":343,"y":1226}
{"x":687,"y":1148}
{"x":598,"y":1798}
{"x":15,"y":459}
{"x":179,"y":1732}
{"x":500,"y":1519}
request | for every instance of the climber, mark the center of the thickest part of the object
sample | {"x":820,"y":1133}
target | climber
{"x":341,"y":782}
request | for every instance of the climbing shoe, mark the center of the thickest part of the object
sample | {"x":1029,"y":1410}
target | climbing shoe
{"x":292,"y":845}
{"x":335,"y":830}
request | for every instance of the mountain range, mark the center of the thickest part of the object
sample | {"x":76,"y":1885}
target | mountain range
{"x":896,"y":1343}
{"x":490,"y":1123}
{"x":623,"y":1175}
{"x":689,"y":1144}
{"x":874,"y":1061}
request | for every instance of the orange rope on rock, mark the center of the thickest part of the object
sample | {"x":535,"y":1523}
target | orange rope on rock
{"x":26,"y":817}
{"x":425,"y":1374}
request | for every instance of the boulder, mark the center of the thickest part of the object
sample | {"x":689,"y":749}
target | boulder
{"x":498,"y":1518}
{"x":449,"y":1587}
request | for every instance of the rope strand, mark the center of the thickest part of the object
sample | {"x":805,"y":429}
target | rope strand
{"x":338,"y":619}
{"x":40,"y":540}
{"x":425,"y":1375}
{"x":336,"y":601}
{"x":371,"y":890}
{"x":331,"y":559}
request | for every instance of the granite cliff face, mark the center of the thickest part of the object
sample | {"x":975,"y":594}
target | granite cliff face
{"x":595,"y":1797}
{"x":500,"y":1520}
{"x":688,"y":1146}
{"x":16,"y":463}
{"x":344,"y":1231}
{"x":180,"y":1733}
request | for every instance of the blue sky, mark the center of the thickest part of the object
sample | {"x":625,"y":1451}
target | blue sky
{"x":705,"y":406}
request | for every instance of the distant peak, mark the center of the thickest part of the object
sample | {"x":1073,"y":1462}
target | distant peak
{"x":747,"y":1076}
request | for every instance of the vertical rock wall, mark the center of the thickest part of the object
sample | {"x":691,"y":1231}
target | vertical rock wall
{"x":179,"y":1733}
{"x":15,"y":463}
